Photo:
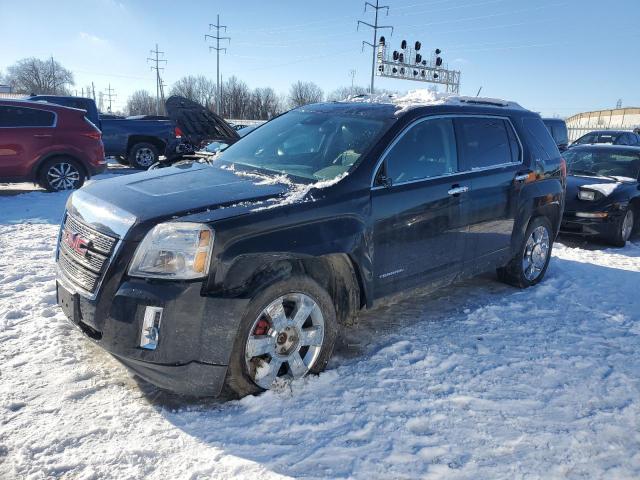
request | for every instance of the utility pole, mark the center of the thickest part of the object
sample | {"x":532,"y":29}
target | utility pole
{"x":217,"y":48}
{"x":110,"y":96}
{"x":159,"y":85}
{"x":375,"y":28}
{"x":93,"y":88}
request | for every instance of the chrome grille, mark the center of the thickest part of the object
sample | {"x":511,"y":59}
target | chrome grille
{"x":100,"y":242}
{"x":86,"y":267}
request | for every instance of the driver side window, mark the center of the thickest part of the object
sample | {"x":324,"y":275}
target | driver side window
{"x":425,"y":150}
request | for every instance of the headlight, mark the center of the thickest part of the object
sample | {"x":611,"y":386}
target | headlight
{"x":176,"y":250}
{"x":586,"y":195}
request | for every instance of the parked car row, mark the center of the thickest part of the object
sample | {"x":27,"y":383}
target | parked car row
{"x":238,"y":272}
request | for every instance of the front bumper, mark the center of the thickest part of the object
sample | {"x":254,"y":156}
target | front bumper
{"x":97,"y":169}
{"x":195,"y":340}
{"x":590,"y":227}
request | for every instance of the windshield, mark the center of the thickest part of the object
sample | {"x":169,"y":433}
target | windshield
{"x":309,"y":145}
{"x":606,"y":164}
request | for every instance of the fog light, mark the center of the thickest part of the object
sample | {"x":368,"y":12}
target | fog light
{"x":150,"y":333}
{"x":592,"y":214}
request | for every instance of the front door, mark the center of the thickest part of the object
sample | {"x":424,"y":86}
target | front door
{"x":419,"y":208}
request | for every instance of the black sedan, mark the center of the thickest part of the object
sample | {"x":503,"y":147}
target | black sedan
{"x":603,"y":192}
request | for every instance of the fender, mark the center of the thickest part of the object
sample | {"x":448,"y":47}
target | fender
{"x":250,"y":254}
{"x":544,"y":197}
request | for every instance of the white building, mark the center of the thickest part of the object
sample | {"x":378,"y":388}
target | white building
{"x":616,"y":119}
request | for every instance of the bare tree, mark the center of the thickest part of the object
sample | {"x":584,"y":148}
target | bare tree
{"x":264,"y":104}
{"x":235,"y":98}
{"x":45,"y":77}
{"x":141,"y":102}
{"x":197,"y":88}
{"x":303,"y":93}
{"x":343,"y":93}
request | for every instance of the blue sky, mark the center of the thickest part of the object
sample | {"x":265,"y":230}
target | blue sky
{"x":552,"y":56}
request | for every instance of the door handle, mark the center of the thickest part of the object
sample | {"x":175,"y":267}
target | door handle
{"x":522,"y":177}
{"x":457,"y":190}
{"x":42,"y":135}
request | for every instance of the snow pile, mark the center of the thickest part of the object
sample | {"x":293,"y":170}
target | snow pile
{"x":425,"y":97}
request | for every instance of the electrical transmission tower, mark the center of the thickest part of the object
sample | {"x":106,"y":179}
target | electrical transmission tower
{"x":217,"y":48}
{"x":110,"y":96}
{"x":375,"y":28}
{"x":159,"y":85}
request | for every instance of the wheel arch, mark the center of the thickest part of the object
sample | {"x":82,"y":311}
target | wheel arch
{"x":133,"y":140}
{"x":37,"y":168}
{"x":337,"y":273}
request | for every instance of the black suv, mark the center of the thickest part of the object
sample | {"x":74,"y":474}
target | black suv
{"x":246,"y":269}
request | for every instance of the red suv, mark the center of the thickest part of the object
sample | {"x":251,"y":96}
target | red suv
{"x":53,"y":146}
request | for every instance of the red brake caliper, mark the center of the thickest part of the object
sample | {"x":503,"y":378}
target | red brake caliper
{"x":262,"y":327}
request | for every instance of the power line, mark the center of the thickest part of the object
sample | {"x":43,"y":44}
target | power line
{"x":217,"y":48}
{"x":110,"y":95}
{"x":375,"y":28}
{"x":159,"y":85}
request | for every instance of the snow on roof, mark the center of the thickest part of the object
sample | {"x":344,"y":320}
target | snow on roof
{"x":424,"y":97}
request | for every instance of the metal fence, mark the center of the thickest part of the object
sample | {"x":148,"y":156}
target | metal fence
{"x":576,"y":132}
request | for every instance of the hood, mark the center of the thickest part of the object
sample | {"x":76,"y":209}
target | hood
{"x":198,"y":124}
{"x":605,"y":187}
{"x":178,"y":191}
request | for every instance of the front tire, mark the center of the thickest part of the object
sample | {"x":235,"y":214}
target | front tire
{"x":624,"y":229}
{"x":288,"y":331}
{"x":61,"y":173}
{"x":143,"y":155}
{"x":530,"y":264}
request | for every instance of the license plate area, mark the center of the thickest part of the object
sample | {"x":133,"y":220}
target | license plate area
{"x":69,"y":302}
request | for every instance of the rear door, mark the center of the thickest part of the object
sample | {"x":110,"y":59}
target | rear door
{"x":491,"y":152}
{"x":24,"y":132}
{"x":419,"y":208}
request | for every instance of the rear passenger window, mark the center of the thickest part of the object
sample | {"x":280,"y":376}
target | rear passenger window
{"x":428,"y":149}
{"x":541,"y":141}
{"x":25,"y":117}
{"x":487,"y":142}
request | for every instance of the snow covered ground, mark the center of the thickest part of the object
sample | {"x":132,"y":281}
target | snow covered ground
{"x":477,"y":381}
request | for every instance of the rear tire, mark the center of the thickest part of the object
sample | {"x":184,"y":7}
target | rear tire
{"x":530,"y":264}
{"x":624,"y":230}
{"x":280,"y":343}
{"x":61,"y":173}
{"x":143,"y":155}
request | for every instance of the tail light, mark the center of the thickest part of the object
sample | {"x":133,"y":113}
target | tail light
{"x":178,"y":132}
{"x":94,"y":135}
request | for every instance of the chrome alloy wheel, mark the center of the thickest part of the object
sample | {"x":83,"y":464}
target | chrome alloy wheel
{"x":627,"y":225}
{"x":536,"y":252}
{"x":285,"y":340}
{"x":63,"y":176}
{"x":145,"y":157}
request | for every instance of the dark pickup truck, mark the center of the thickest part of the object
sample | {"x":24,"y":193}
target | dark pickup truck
{"x":240,"y":272}
{"x":140,"y":141}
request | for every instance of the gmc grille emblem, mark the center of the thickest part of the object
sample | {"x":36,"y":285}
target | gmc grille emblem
{"x":76,"y":242}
